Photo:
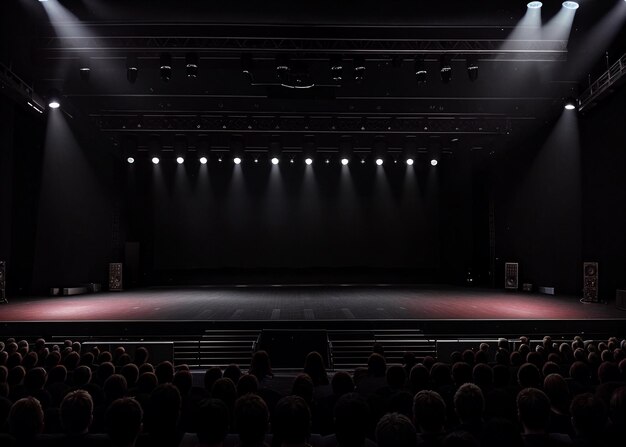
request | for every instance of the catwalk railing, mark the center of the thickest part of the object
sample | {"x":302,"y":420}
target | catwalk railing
{"x":601,"y":87}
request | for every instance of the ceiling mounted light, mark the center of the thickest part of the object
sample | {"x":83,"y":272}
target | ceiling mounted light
{"x":84,"y":69}
{"x":434,"y":162}
{"x":379,"y":162}
{"x":237,"y":160}
{"x":275,"y":160}
{"x":410,"y":161}
{"x":472,"y":69}
{"x":165,"y":69}
{"x":570,"y":104}
{"x":308,"y":161}
{"x":359,"y":69}
{"x":283,"y":69}
{"x":130,"y":160}
{"x":132,"y":69}
{"x":54,"y":102}
{"x":191,"y":65}
{"x":534,"y":5}
{"x":247,"y":65}
{"x":180,"y":160}
{"x":445,"y":70}
{"x":345,"y":161}
{"x":420,"y":71}
{"x":570,"y":5}
{"x":155,"y":160}
{"x":336,"y":68}
{"x":203,"y":160}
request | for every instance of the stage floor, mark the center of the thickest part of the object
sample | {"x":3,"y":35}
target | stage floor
{"x":300,"y":303}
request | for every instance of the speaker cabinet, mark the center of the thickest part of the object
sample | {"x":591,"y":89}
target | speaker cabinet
{"x":3,"y":283}
{"x":115,"y":277}
{"x":511,"y":275}
{"x":590,"y":282}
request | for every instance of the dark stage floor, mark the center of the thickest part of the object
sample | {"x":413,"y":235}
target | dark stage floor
{"x":290,"y":303}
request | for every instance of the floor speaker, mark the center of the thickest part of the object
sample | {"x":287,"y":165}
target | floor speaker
{"x":3,"y":283}
{"x":511,"y":275}
{"x":590,"y":282}
{"x":115,"y":277}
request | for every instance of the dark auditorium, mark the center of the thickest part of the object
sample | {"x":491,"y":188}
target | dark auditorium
{"x":335,"y":223}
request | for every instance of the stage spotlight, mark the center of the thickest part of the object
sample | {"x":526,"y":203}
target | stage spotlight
{"x":534,"y":5}
{"x":191,"y":65}
{"x":308,"y":161}
{"x":420,"y":71}
{"x":434,"y":162}
{"x":204,"y":160}
{"x":275,"y":161}
{"x":166,"y":67}
{"x":84,"y":70}
{"x":359,"y":69}
{"x":155,"y":160}
{"x":345,"y":161}
{"x":130,"y":160}
{"x":237,"y":160}
{"x":180,"y":160}
{"x":472,"y":70}
{"x":379,"y":161}
{"x":283,"y":69}
{"x":570,"y":5}
{"x":256,"y":159}
{"x":445,"y":70}
{"x":570,"y":104}
{"x":336,"y":68}
{"x":247,"y":65}
{"x":410,"y":161}
{"x":132,"y":69}
{"x":54,"y":103}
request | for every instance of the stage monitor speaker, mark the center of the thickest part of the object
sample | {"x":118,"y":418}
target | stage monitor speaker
{"x":620,"y":299}
{"x":511,"y":275}
{"x":590,"y":282}
{"x":115,"y":277}
{"x":3,"y":283}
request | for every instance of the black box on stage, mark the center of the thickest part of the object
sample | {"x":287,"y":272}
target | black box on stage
{"x":511,"y":275}
{"x":115,"y":277}
{"x":590,"y":282}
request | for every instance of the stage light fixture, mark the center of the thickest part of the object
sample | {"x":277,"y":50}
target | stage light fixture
{"x":359,"y":69}
{"x":308,"y":161}
{"x":336,"y":68}
{"x":472,"y":70}
{"x":570,"y":104}
{"x":54,"y":103}
{"x":534,"y":5}
{"x":570,"y":5}
{"x":410,"y":161}
{"x":445,"y":70}
{"x":155,"y":160}
{"x":191,"y":65}
{"x":363,"y":161}
{"x":434,"y":162}
{"x":237,"y":160}
{"x":84,"y":69}
{"x":166,"y":67}
{"x":283,"y":69}
{"x":180,"y":160}
{"x":204,"y":160}
{"x":247,"y":65}
{"x":379,"y":162}
{"x":130,"y":160}
{"x":327,"y":161}
{"x":420,"y":71}
{"x":345,"y":161}
{"x":132,"y":69}
{"x":275,"y":161}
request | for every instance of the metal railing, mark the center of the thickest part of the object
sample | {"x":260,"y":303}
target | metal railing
{"x":603,"y":83}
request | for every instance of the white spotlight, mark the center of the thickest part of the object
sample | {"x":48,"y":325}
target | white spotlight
{"x":130,"y":160}
{"x":434,"y":162}
{"x":275,"y":161}
{"x":344,"y":161}
{"x":409,"y":161}
{"x":237,"y":160}
{"x":570,"y":5}
{"x":180,"y":160}
{"x":379,"y":161}
{"x":309,"y":161}
{"x":155,"y":160}
{"x":570,"y":106}
{"x":534,"y":5}
{"x":204,"y":160}
{"x":54,"y":104}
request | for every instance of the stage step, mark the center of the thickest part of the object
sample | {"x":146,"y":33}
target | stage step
{"x":351,"y":349}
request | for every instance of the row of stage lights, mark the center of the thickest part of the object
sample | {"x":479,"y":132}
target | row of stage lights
{"x":275,"y":161}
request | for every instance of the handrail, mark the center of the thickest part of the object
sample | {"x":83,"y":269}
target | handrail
{"x":603,"y":83}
